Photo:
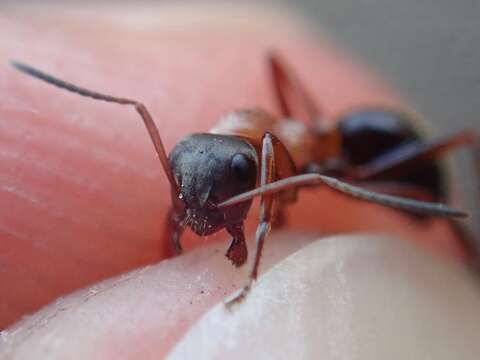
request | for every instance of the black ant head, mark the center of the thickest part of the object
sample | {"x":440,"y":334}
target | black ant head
{"x":210,"y":169}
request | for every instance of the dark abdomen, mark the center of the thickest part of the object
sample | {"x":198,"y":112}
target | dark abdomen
{"x":370,"y":133}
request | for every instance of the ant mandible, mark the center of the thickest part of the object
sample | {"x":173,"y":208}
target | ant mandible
{"x":213,"y":176}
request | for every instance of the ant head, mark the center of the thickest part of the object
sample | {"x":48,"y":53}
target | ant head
{"x":210,"y":169}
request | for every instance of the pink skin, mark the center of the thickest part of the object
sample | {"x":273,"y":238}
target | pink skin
{"x":83,"y":195}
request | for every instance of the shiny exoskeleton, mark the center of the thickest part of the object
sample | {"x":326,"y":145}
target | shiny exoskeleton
{"x":370,"y":134}
{"x":373,"y":155}
{"x":208,"y":176}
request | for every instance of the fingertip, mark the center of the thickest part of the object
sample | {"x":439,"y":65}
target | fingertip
{"x":142,"y":313}
{"x":347,"y":297}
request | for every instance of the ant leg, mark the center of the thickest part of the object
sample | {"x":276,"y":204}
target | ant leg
{"x":237,"y":252}
{"x":470,"y":245}
{"x":464,"y":235}
{"x":470,"y":240}
{"x":279,"y":217}
{"x":267,"y":176}
{"x":409,"y":156}
{"x":173,"y":232}
{"x":283,"y":82}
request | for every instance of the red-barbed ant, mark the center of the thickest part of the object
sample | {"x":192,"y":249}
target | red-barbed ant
{"x":213,"y":176}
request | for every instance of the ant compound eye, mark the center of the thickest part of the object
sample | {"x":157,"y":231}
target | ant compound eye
{"x":242,"y":167}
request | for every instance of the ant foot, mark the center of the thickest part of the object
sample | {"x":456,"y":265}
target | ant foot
{"x":237,"y":253}
{"x":238,"y":297}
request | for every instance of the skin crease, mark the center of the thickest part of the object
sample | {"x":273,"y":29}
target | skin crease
{"x":86,"y":197}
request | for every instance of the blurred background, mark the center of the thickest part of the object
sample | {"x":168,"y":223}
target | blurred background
{"x":427,"y":50}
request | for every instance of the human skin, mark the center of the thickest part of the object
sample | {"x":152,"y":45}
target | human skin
{"x":84,"y":197}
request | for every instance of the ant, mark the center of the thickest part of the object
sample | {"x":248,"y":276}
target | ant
{"x":371,"y":154}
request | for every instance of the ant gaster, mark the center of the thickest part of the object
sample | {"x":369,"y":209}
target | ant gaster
{"x":213,"y":176}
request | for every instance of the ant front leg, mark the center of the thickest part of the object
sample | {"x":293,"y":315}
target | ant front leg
{"x":268,"y":175}
{"x":237,"y":252}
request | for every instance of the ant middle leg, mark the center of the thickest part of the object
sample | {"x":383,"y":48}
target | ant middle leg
{"x":279,"y":215}
{"x":287,"y":87}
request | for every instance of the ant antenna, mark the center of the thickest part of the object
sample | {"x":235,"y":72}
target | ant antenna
{"x":141,"y":109}
{"x":414,"y":206}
